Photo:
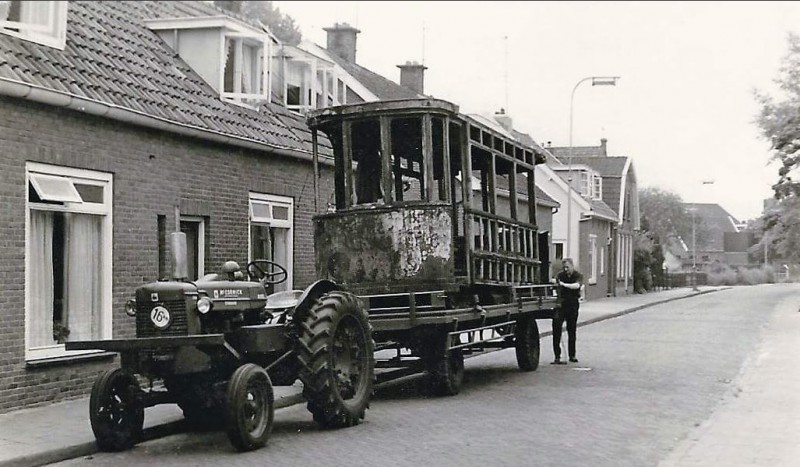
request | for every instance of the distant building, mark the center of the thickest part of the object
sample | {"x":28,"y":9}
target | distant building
{"x":719,"y":238}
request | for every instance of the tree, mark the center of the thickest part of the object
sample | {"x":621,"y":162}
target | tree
{"x":283,"y":26}
{"x":779,"y":122}
{"x":664,"y":215}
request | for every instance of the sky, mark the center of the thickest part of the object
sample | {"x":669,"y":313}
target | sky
{"x":683,"y":109}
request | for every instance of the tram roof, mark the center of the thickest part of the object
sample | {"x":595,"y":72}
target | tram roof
{"x":323,"y":117}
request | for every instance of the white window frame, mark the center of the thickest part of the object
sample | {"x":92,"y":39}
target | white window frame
{"x":597,"y":187}
{"x":593,"y":259}
{"x":264,"y":45}
{"x":52,"y":34}
{"x":271,"y":201}
{"x":103,"y":209}
{"x":201,"y":242}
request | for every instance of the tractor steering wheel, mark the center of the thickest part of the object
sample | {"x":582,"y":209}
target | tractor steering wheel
{"x":267,"y":272}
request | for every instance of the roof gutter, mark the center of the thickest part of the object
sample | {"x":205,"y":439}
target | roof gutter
{"x":19,"y":89}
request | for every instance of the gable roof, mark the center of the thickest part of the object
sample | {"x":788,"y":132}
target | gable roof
{"x":563,"y":152}
{"x":716,"y":221}
{"x":544,"y":199}
{"x":114,"y":66}
{"x":600,"y":209}
{"x":383,"y":88}
{"x":605,"y":166}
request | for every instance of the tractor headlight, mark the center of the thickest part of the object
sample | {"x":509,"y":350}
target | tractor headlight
{"x":204,"y":305}
{"x":130,"y":307}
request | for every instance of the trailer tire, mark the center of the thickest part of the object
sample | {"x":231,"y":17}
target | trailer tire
{"x":526,"y":340}
{"x":445,"y":372}
{"x":115,"y":410}
{"x":337,"y":365}
{"x":250,"y":407}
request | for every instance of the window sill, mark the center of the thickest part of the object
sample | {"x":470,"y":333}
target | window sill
{"x":592,"y":282}
{"x":69,"y":360}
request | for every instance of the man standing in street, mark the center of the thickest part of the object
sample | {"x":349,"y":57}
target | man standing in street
{"x":569,"y":282}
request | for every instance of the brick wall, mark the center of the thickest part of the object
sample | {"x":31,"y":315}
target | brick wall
{"x":152,"y":172}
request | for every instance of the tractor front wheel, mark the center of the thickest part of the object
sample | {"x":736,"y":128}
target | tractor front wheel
{"x":116,"y":412}
{"x":335,"y":351}
{"x":251,"y":408}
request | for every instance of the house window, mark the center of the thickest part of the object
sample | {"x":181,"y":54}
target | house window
{"x":558,"y":249}
{"x":602,"y":261}
{"x":271,"y":232}
{"x":195,"y":230}
{"x":245,"y":74}
{"x":585,"y":183}
{"x":592,"y":259}
{"x":598,"y":187}
{"x":41,"y":22}
{"x":68,"y":258}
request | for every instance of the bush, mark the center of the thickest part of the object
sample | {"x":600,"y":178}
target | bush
{"x":722,"y":274}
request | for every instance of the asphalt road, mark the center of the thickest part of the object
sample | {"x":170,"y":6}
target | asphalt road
{"x":644,"y":381}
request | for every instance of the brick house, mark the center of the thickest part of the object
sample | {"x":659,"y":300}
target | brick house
{"x":115,"y":119}
{"x":609,"y":183}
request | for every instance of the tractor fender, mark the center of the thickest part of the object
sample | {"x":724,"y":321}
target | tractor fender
{"x":310,"y":294}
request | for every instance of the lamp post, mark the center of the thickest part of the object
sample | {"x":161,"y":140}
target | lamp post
{"x":596,"y":81}
{"x":694,"y":251}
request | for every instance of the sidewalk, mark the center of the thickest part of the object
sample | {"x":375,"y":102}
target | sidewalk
{"x":60,"y":431}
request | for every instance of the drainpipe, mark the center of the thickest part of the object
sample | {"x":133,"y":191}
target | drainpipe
{"x":41,"y":95}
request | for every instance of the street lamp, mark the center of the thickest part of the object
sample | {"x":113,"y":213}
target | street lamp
{"x":596,"y":81}
{"x":694,"y":250}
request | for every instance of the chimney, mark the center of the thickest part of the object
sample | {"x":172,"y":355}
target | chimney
{"x":412,"y":76}
{"x":603,"y":148}
{"x":504,"y":120}
{"x":342,"y":41}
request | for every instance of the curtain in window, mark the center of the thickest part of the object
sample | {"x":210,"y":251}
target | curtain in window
{"x":281,"y":248}
{"x":82,"y":276}
{"x":248,"y":70}
{"x":41,"y":279}
{"x":37,"y":12}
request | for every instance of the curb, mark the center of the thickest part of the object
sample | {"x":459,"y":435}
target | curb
{"x":88,"y":448}
{"x":179,"y":426}
{"x":636,"y":308}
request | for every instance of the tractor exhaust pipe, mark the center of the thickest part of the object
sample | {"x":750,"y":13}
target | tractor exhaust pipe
{"x":178,"y":254}
{"x":178,"y":251}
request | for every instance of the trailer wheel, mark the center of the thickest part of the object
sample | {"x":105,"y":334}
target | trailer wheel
{"x":337,"y":365}
{"x":526,"y":339}
{"x":446,"y":371}
{"x":115,"y":410}
{"x":251,"y":408}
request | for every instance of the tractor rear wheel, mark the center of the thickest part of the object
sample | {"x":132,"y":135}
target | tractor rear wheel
{"x":116,"y":412}
{"x":251,"y":408}
{"x":337,"y":365}
{"x":526,"y":341}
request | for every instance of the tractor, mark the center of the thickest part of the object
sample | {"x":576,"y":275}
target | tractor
{"x":218,"y":345}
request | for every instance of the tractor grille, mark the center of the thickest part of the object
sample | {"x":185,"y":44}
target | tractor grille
{"x":146,"y":328}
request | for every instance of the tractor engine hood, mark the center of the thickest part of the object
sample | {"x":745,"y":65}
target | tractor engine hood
{"x":233,"y":295}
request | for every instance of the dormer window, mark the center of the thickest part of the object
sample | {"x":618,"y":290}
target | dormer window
{"x":245,"y":77}
{"x":309,"y":81}
{"x":41,"y":22}
{"x":591,"y":185}
{"x":231,"y":56}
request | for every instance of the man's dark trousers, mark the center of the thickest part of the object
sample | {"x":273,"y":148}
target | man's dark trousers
{"x":568,"y":313}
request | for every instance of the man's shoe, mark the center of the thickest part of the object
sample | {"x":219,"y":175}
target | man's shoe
{"x":558,"y":362}
{"x":573,"y":360}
